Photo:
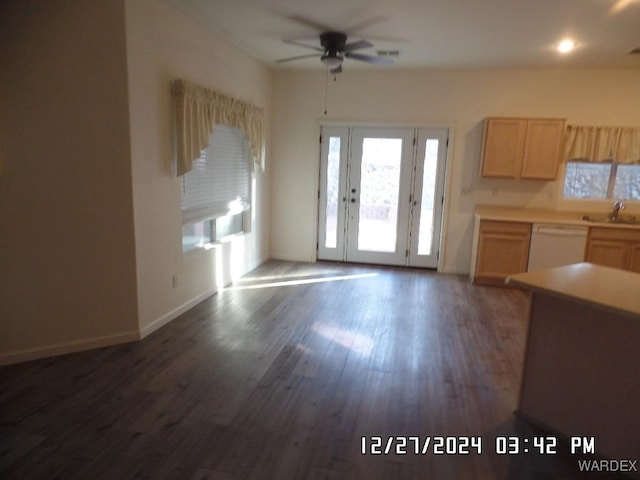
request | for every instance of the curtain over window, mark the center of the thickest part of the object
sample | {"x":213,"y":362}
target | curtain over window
{"x":603,"y":144}
{"x":199,"y":109}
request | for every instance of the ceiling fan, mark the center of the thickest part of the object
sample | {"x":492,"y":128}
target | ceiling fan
{"x":334,"y":49}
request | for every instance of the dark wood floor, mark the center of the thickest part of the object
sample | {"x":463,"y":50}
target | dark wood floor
{"x":280,"y":377}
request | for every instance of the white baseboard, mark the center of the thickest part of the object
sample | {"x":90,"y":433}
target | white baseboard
{"x":26,"y":355}
{"x":290,"y":258}
{"x":29,"y":354}
{"x":455,"y":271}
{"x":173,"y":314}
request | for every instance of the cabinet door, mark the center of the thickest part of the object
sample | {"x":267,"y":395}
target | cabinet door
{"x":614,"y":247}
{"x":503,"y":147}
{"x":634,"y":265}
{"x":610,"y":253}
{"x":542,"y":149}
{"x":503,"y":249}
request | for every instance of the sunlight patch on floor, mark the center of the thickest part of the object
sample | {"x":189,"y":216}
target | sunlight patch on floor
{"x":356,"y":342}
{"x":289,"y":283}
{"x":302,"y":273}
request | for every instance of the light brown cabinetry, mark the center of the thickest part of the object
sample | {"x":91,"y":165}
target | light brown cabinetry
{"x":634,"y":263}
{"x":502,"y":250}
{"x":614,"y":247}
{"x":522,"y":148}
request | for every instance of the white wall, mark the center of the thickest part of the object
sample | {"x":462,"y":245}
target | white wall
{"x":67,"y":254}
{"x":163,"y":44}
{"x":458,"y":99}
{"x":89,"y":206}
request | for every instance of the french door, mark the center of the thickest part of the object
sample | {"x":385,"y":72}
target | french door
{"x":381,"y":192}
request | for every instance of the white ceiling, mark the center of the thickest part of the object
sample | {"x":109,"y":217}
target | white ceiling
{"x":434,"y":33}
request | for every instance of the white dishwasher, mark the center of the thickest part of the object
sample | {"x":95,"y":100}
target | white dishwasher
{"x":556,"y":245}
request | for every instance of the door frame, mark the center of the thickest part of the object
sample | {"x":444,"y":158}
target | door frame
{"x":442,"y":134}
{"x":321,"y":202}
{"x":446,"y":187}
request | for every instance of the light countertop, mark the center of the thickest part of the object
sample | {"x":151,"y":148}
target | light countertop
{"x":606,"y":287}
{"x":532,"y":215}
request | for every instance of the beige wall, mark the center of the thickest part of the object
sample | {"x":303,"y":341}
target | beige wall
{"x":90,"y":216}
{"x":164,"y":44}
{"x":67,"y":253}
{"x":457,"y":99}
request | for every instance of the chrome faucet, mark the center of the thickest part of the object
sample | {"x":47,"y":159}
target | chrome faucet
{"x":616,"y":210}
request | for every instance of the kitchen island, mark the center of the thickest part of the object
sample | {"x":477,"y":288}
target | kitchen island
{"x":581,"y":374}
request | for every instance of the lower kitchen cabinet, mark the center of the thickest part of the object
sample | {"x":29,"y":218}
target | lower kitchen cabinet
{"x":635,"y":257}
{"x":502,"y":250}
{"x":614,"y":247}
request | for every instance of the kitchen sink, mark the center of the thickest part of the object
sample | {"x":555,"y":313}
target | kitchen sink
{"x":622,"y":219}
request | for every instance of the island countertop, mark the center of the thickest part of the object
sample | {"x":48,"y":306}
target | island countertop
{"x":580,"y":371}
{"x":605,"y":287}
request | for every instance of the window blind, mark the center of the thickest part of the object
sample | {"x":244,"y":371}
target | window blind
{"x":220,"y":181}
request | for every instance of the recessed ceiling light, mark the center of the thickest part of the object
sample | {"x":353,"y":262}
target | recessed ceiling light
{"x":565,"y":46}
{"x":620,"y":5}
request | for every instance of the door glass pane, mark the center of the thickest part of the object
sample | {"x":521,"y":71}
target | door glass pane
{"x":379,"y":191}
{"x":425,"y":236}
{"x":333,"y":191}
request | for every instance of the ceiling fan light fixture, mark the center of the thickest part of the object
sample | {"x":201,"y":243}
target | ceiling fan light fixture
{"x":332,"y":60}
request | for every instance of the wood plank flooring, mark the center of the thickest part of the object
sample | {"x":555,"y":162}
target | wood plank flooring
{"x":279,"y":377}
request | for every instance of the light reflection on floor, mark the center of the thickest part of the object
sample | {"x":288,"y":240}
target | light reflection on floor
{"x":356,"y":342}
{"x":311,"y":272}
{"x":288,"y":283}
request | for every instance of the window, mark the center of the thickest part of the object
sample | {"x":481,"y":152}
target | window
{"x":217,"y":191}
{"x":604,"y":162}
{"x":602,"y":180}
{"x":199,"y":234}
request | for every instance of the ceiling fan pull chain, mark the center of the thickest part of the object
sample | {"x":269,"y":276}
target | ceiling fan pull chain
{"x":326,"y":91}
{"x":326,"y":87}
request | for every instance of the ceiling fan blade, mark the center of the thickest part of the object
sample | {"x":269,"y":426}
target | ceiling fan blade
{"x":349,"y":47}
{"x":299,"y":57}
{"x":299,"y":43}
{"x":310,"y":23}
{"x":365,"y":24}
{"x":369,"y":58}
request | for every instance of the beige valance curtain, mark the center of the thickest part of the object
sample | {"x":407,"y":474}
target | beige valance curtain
{"x":198,"y":109}
{"x":603,"y":144}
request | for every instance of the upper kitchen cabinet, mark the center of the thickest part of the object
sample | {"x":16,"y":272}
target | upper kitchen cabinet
{"x":522,"y":148}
